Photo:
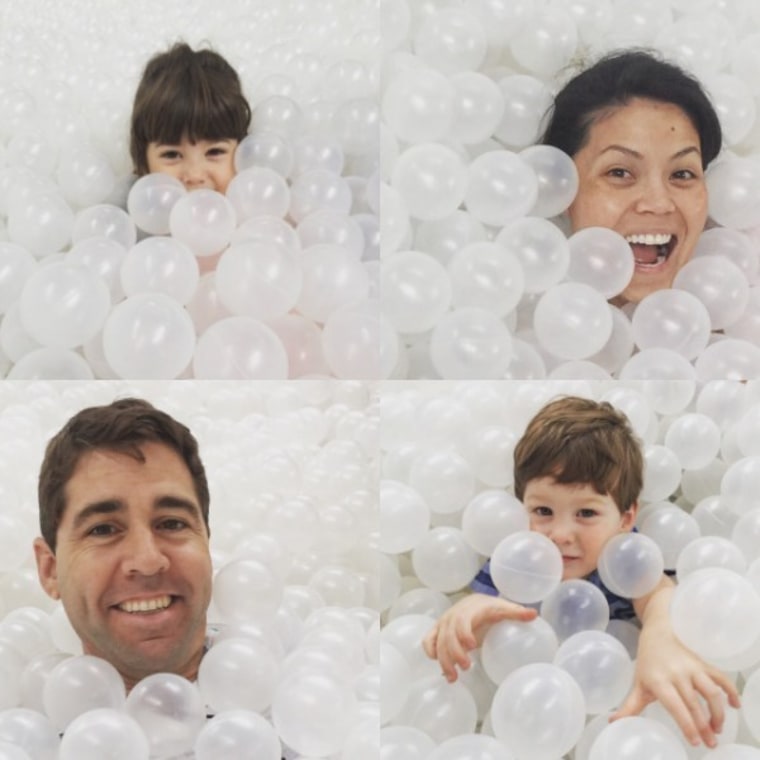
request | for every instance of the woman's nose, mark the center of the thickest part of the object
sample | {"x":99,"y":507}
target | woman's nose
{"x":655,"y":198}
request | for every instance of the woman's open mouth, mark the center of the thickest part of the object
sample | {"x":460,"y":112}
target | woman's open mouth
{"x":651,"y":250}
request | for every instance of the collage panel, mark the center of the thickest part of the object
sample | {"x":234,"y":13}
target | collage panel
{"x":188,"y":189}
{"x":199,"y":579}
{"x":570,"y":189}
{"x":576,"y":570}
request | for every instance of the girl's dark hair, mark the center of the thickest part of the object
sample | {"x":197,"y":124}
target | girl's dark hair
{"x":614,"y":81}
{"x":186,"y":92}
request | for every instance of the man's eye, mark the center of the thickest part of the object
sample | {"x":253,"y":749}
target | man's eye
{"x":173,"y":524}
{"x":101,"y":530}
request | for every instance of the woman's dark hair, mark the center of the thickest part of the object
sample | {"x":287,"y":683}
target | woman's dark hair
{"x":186,"y":92}
{"x":614,"y":81}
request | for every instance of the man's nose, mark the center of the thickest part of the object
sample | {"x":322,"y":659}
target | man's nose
{"x":143,"y":554}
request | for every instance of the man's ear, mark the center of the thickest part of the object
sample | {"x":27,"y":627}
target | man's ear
{"x":629,"y":516}
{"x":47,"y":567}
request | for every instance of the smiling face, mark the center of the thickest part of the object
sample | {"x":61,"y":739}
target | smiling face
{"x":132,"y":563}
{"x":577,"y":519}
{"x":640,"y":174}
{"x":207,"y":164}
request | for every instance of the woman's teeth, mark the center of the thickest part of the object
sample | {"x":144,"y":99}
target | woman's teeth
{"x":660,"y":239}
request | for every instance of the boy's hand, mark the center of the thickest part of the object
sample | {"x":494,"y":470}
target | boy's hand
{"x":668,"y":671}
{"x":462,"y":627}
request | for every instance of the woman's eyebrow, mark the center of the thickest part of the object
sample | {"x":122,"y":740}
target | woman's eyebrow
{"x":635,"y":154}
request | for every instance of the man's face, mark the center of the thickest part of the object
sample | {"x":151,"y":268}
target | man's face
{"x":132,"y":564}
{"x":577,"y":519}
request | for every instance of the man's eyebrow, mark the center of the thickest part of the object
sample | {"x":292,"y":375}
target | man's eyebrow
{"x":111,"y":506}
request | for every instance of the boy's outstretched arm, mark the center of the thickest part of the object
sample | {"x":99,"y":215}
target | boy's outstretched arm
{"x":462,"y":627}
{"x":668,"y":671}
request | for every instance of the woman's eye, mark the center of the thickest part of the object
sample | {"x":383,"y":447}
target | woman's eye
{"x":684,"y":174}
{"x":618,"y":173}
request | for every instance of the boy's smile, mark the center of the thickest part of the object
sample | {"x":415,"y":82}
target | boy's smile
{"x":207,"y":164}
{"x":577,"y":519}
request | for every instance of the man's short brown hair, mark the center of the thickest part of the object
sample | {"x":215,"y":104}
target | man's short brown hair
{"x":186,"y":92}
{"x":579,"y":441}
{"x":122,"y":426}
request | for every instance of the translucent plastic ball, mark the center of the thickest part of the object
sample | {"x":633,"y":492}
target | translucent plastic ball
{"x":637,"y":738}
{"x":575,"y":605}
{"x":259,"y":280}
{"x":527,"y":101}
{"x":16,"y":266}
{"x":265,"y":148}
{"x":258,"y":191}
{"x":631,"y":565}
{"x":745,"y":534}
{"x":719,"y":284}
{"x":716,"y":612}
{"x":160,"y":265}
{"x":104,"y":732}
{"x":63,"y":306}
{"x":332,"y":279}
{"x":404,"y":743}
{"x":478,"y":106}
{"x":395,"y":681}
{"x":739,"y":486}
{"x":572,"y":321}
{"x":674,"y":320}
{"x":662,"y":473}
{"x":240,"y":348}
{"x":440,"y":709}
{"x":501,"y":187}
{"x":538,"y":712}
{"x":42,"y":224}
{"x":547,"y":41}
{"x":80,"y":684}
{"x":431,"y":180}
{"x":149,"y":335}
{"x":510,"y":644}
{"x":332,"y":228}
{"x":557,"y":179}
{"x":733,"y":245}
{"x":12,"y":752}
{"x":170,"y":712}
{"x":728,"y":359}
{"x":444,"y":561}
{"x":671,"y":528}
{"x":483,"y":274}
{"x":471,"y":747}
{"x":151,"y":200}
{"x":29,"y":730}
{"x":747,"y":431}
{"x":404,"y":517}
{"x":471,"y":343}
{"x":490,"y":516}
{"x":246,"y":589}
{"x":318,"y":189}
{"x":600,"y":665}
{"x":241,"y":733}
{"x":710,"y":551}
{"x":526,"y":567}
{"x":733,"y":186}
{"x":416,"y":291}
{"x":238,"y":673}
{"x":451,"y":40}
{"x":541,"y":248}
{"x":418,"y":105}
{"x":601,"y":258}
{"x":443,"y":478}
{"x":695,"y":439}
{"x":313,"y":713}
{"x":203,"y":220}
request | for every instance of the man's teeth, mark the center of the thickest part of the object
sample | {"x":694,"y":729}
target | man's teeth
{"x":146,"y":605}
{"x":660,"y":239}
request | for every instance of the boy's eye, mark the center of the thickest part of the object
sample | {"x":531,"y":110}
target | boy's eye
{"x":587,"y":513}
{"x":542,"y":511}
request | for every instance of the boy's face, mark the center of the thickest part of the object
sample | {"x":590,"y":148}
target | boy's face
{"x":206,"y":164}
{"x":577,"y":519}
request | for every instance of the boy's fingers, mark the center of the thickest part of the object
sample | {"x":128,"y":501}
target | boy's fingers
{"x":713,"y":695}
{"x":428,"y":643}
{"x":635,"y":702}
{"x":682,"y":713}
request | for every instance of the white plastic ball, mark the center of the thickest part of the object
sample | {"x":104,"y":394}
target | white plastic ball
{"x":574,"y":606}
{"x":695,"y":439}
{"x":246,"y":734}
{"x":204,"y":220}
{"x":637,"y":738}
{"x":631,"y":565}
{"x":104,"y":732}
{"x":444,"y":561}
{"x":557,"y":179}
{"x":151,"y":200}
{"x":510,"y":644}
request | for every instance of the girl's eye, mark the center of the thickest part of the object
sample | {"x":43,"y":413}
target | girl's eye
{"x":217,"y":151}
{"x":170,"y":155}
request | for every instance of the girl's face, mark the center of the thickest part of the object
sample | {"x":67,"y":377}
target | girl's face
{"x":641,"y":175}
{"x":204,"y":164}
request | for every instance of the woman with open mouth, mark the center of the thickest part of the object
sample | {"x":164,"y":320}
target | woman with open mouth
{"x":641,"y":133}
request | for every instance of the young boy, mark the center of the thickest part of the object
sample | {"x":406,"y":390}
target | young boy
{"x":579,"y":471}
{"x":188,"y":117}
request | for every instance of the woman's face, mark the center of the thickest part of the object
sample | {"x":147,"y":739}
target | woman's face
{"x":641,"y":175}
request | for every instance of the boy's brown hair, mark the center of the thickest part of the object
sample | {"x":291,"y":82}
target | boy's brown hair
{"x":186,"y":92}
{"x":579,"y":441}
{"x":121,"y":426}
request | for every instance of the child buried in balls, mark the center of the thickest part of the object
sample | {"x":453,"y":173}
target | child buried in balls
{"x":579,"y":472}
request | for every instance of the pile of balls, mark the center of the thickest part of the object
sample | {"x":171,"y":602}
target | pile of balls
{"x":293,"y":666}
{"x":278,"y":278}
{"x":480,"y":276}
{"x":539,"y":689}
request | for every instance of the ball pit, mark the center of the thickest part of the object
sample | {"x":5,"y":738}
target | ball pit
{"x":424,"y":420}
{"x":83,"y":246}
{"x":468,"y":191}
{"x":292,"y":471}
